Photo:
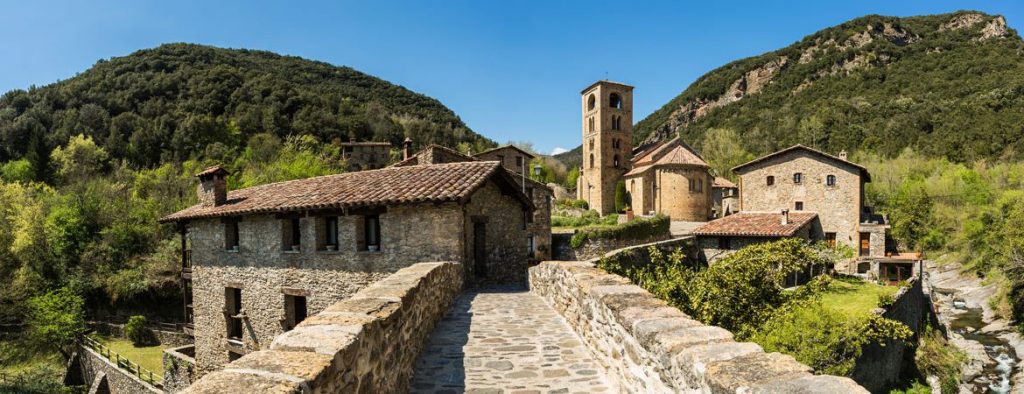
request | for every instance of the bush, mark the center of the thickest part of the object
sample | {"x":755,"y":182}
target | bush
{"x":936,"y":357}
{"x":886,"y":300}
{"x":138,"y":333}
{"x":588,"y":218}
{"x":578,"y":204}
{"x":637,"y":229}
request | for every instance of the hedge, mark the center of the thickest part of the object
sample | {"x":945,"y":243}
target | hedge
{"x":637,"y":229}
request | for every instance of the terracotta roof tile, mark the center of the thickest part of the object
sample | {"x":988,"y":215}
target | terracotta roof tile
{"x":722,"y":182}
{"x":212,"y":170}
{"x":513,"y":147}
{"x":386,"y":186}
{"x":672,"y":152}
{"x":756,"y":224}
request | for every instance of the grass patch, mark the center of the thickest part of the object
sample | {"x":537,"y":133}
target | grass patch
{"x":149,"y":357}
{"x":854,"y":297}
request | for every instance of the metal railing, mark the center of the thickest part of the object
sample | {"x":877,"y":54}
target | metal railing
{"x":123,"y":363}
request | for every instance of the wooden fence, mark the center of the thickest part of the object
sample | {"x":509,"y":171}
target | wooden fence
{"x":123,"y":363}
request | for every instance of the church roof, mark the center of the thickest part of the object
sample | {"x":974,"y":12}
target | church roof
{"x":451,"y":182}
{"x":672,"y":152}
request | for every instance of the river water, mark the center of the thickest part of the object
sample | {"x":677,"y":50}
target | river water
{"x":997,"y":371}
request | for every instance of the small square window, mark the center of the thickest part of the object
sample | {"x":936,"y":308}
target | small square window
{"x":799,"y":206}
{"x":830,"y":180}
{"x":368,"y":233}
{"x":331,"y":232}
{"x":295,"y":310}
{"x":770,"y":180}
{"x":798,"y":178}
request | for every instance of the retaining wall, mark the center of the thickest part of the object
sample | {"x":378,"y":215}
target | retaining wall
{"x":179,"y":368}
{"x":651,"y":347}
{"x":93,"y":365}
{"x":166,"y":338}
{"x":879,"y":367}
{"x":593,"y":248}
{"x":367,"y":343}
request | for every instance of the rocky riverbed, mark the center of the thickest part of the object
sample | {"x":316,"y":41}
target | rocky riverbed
{"x":992,"y":345}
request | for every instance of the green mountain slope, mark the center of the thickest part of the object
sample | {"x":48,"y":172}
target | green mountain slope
{"x":949,"y":85}
{"x":178,"y":101}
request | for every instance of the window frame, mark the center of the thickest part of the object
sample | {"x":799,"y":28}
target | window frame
{"x":798,"y":205}
{"x":798,"y":178}
{"x":232,"y":235}
{"x":331,"y":231}
{"x":830,"y":180}
{"x":770,"y":180}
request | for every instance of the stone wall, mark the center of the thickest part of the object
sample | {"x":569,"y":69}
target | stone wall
{"x":838,"y":206}
{"x":674,"y":197}
{"x":640,"y":255}
{"x":166,"y":338}
{"x":562,"y":249}
{"x":879,"y":366}
{"x":651,"y":347}
{"x":506,"y":232}
{"x":93,"y":366}
{"x":179,"y":368}
{"x":367,"y":344}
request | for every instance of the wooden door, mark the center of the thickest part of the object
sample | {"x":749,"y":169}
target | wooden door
{"x":865,"y":244}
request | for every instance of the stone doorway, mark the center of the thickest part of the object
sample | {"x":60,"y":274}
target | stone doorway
{"x":480,"y":249}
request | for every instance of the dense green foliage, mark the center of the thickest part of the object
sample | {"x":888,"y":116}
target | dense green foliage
{"x":621,"y":197}
{"x":936,"y":357}
{"x":639,"y":229}
{"x":576,"y":203}
{"x":138,"y":333}
{"x":180,"y":101}
{"x":743,"y":293}
{"x":913,"y":83}
{"x":57,"y":319}
{"x":588,"y":218}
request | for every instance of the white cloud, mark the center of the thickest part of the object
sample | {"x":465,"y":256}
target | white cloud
{"x":558,"y":150}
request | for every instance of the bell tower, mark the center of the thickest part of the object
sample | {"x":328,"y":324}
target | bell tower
{"x":607,"y":142}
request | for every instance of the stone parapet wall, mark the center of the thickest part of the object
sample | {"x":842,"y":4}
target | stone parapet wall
{"x":179,"y":368}
{"x":880,"y":365}
{"x":94,"y":366}
{"x":367,"y":343}
{"x":595,"y":248}
{"x":651,"y":347}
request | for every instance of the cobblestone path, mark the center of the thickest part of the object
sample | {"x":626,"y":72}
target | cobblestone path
{"x":506,"y":341}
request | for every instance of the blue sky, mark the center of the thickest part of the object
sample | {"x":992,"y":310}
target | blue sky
{"x":511,"y":69}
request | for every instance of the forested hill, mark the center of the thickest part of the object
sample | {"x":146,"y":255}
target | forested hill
{"x":949,"y":85}
{"x":181,"y":101}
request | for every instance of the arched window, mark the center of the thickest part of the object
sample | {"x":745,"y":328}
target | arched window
{"x":830,"y":180}
{"x":798,"y":178}
{"x":700,"y":185}
{"x":591,"y":144}
{"x":591,"y":102}
{"x":615,"y":101}
{"x":615,"y":122}
{"x":770,"y":180}
{"x":591,"y":121}
{"x":591,"y":160}
{"x":615,"y":161}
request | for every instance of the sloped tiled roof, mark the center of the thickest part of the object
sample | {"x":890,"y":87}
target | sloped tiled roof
{"x":366,"y":143}
{"x":723,"y":183}
{"x":756,"y":224}
{"x":212,"y":170}
{"x":435,"y":152}
{"x":863,"y":170}
{"x":386,"y":186}
{"x":513,"y":147}
{"x":672,"y":152}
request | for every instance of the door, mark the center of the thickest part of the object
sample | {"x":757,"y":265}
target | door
{"x":480,"y":249}
{"x":865,"y":244}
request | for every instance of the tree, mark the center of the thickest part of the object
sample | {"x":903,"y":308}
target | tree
{"x":621,"y":197}
{"x":57,"y":319}
{"x":80,"y":159}
{"x":722,"y":151}
{"x":572,"y":177}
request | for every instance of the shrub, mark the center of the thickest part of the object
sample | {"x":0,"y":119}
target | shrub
{"x":578,"y":204}
{"x":138,"y":333}
{"x":637,"y":229}
{"x":936,"y":357}
{"x":588,"y":218}
{"x":621,"y":197}
{"x":886,"y":300}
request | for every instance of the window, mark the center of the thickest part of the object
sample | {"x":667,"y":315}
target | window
{"x":830,"y":180}
{"x":591,"y":124}
{"x":615,"y":101}
{"x":233,"y":307}
{"x":615,"y":161}
{"x":591,"y":160}
{"x":530,"y":251}
{"x":798,"y":206}
{"x":693,"y":185}
{"x":724,"y":243}
{"x":331,"y":232}
{"x":501,"y":159}
{"x":615,"y":122}
{"x":291,"y":234}
{"x":294,"y":311}
{"x":770,"y":180}
{"x":830,"y":239}
{"x":700,"y":185}
{"x":798,"y":178}
{"x":368,"y":233}
{"x":591,"y":101}
{"x":519,"y":161}
{"x":231,"y":234}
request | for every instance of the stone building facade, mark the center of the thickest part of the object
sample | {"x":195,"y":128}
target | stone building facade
{"x":361,"y":156}
{"x":725,"y":197}
{"x":607,"y":142}
{"x":270,"y":255}
{"x":538,"y":226}
{"x":510,"y":157}
{"x":722,"y":237}
{"x":804,"y":179}
{"x":670,"y":179}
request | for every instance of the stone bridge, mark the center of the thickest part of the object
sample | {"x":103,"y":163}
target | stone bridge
{"x":575,"y":329}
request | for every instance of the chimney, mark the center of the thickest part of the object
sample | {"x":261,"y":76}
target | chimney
{"x":407,"y":148}
{"x":785,"y":217}
{"x":842,"y":154}
{"x":213,"y":186}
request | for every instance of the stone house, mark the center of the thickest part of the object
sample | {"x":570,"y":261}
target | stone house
{"x":671,"y":179}
{"x":265,"y":257}
{"x":510,"y":156}
{"x":802,"y":179}
{"x":538,"y":226}
{"x":721,"y":237}
{"x":725,"y":197}
{"x":361,"y":156}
